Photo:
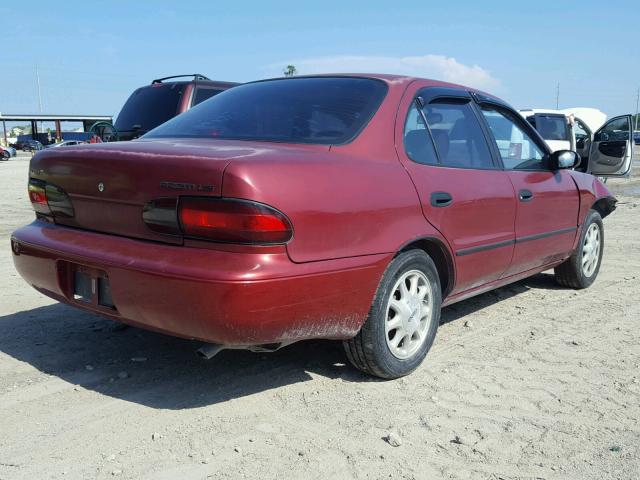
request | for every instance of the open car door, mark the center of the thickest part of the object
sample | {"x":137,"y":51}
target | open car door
{"x":612,"y":148}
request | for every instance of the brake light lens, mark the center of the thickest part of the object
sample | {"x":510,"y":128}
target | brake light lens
{"x":233,"y":221}
{"x":49,"y":200}
{"x":38,"y":197}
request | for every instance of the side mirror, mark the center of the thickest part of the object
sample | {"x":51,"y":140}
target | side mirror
{"x":562,"y":159}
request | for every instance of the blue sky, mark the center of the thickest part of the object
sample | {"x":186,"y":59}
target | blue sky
{"x":91,"y":55}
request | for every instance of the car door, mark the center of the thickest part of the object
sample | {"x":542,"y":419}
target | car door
{"x":547,"y":201}
{"x":583,"y":137}
{"x":463,"y":192}
{"x":611,"y":150}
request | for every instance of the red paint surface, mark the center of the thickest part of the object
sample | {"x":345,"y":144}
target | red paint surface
{"x":554,"y":207}
{"x":216,"y":296}
{"x":352,"y":208}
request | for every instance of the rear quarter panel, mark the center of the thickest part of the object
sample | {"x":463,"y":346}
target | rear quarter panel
{"x":340,"y":206}
{"x":349,"y":200}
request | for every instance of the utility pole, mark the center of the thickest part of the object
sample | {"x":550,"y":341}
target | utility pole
{"x":637,"y":103}
{"x":558,"y":96}
{"x":34,"y":134}
{"x":39,"y":92}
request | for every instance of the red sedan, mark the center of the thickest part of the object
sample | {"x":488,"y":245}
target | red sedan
{"x":338,"y":207}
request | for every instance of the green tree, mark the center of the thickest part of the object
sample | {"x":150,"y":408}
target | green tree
{"x":290,"y":71}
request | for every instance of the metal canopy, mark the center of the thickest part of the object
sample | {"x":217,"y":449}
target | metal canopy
{"x":50,"y":118}
{"x":87,"y":121}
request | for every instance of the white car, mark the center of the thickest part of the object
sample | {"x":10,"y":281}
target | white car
{"x":553,"y":126}
{"x":584,"y":130}
{"x":562,"y":128}
{"x":66,"y":143}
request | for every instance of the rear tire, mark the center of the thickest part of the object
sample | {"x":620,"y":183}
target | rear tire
{"x":581,"y":268}
{"x":402,"y":323}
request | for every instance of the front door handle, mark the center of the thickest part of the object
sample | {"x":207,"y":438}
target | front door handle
{"x":441,"y":199}
{"x":525,"y":195}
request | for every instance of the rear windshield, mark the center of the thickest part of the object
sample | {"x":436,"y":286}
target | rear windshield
{"x":551,"y":127}
{"x":300,"y":110}
{"x":150,"y":106}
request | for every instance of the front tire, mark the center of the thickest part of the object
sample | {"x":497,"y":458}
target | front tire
{"x":581,"y":268}
{"x":403,"y":319}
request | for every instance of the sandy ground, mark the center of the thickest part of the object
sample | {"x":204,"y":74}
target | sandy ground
{"x":529,"y":381}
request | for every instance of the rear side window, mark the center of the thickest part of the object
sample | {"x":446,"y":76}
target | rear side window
{"x":320,"y":110}
{"x":457,"y":135}
{"x":203,"y":94}
{"x":417,"y":142}
{"x":150,"y":106}
{"x":552,"y":127}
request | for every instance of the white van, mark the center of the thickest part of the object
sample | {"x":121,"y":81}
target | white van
{"x":579,"y":129}
{"x":552,"y":125}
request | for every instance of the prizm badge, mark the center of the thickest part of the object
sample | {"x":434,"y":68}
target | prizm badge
{"x":195,"y":187}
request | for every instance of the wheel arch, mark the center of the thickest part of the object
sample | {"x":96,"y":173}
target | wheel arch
{"x":439,"y":253}
{"x":605,"y":205}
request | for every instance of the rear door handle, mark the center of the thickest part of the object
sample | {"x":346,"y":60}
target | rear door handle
{"x":525,"y":195}
{"x":441,"y":199}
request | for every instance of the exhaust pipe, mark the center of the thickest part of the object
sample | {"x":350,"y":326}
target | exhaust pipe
{"x":209,"y":350}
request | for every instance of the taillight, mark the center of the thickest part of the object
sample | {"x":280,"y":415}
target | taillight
{"x":161,"y":215}
{"x":49,"y":200}
{"x":38,"y":196}
{"x":226,"y":220}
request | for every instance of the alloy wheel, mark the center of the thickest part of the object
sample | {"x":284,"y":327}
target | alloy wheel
{"x":591,"y":250}
{"x":409,"y":314}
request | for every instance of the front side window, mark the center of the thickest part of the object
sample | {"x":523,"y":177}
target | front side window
{"x":316,"y":110}
{"x":457,"y":135}
{"x":616,"y":129}
{"x":581,"y":133}
{"x":517,"y":150}
{"x":580,"y":130}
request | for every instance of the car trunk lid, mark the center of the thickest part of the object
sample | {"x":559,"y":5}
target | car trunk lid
{"x":109,"y":184}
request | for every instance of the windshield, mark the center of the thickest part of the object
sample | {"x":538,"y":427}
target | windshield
{"x":319,"y":110}
{"x":150,"y":106}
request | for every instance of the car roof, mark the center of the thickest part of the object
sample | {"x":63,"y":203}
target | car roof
{"x":198,"y":81}
{"x":203,"y":82}
{"x":392,"y":80}
{"x":547,"y":111}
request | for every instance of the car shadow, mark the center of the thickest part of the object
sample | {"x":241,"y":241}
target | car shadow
{"x":541,"y":281}
{"x":163,"y":372}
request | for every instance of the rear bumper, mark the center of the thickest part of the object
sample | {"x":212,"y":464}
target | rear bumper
{"x":215,"y":296}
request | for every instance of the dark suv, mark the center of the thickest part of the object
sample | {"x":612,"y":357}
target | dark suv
{"x":153,"y":104}
{"x":28,"y":145}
